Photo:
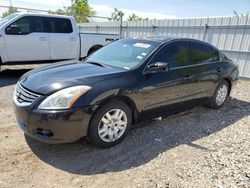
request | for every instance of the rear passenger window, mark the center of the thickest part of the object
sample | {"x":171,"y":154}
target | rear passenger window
{"x":40,"y":25}
{"x":60,"y":25}
{"x":203,"y":53}
{"x":176,"y":54}
{"x":216,"y":54}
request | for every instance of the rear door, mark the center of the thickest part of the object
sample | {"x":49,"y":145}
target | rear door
{"x":63,"y":40}
{"x":208,"y":69}
{"x":30,"y":43}
{"x":175,"y":86}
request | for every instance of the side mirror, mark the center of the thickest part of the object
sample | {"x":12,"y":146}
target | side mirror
{"x":157,"y":67}
{"x":13,"y":30}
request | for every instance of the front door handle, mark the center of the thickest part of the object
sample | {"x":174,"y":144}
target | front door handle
{"x":43,"y":38}
{"x":72,"y":39}
{"x":187,"y":78}
{"x":219,"y":69}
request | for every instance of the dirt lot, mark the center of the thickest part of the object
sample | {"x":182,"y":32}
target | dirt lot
{"x":197,"y":148}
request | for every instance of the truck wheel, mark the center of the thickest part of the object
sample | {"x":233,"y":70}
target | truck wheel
{"x":110,"y":124}
{"x":94,"y":49}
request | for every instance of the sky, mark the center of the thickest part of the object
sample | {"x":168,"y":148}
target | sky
{"x":152,"y":9}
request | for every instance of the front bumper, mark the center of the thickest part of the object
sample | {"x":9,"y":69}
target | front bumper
{"x":54,"y":127}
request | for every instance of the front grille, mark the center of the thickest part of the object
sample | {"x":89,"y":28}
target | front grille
{"x":23,"y":97}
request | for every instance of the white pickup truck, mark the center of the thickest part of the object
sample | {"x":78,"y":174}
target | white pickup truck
{"x":31,"y":37}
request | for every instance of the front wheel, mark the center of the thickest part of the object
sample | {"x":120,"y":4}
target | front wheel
{"x":110,"y":124}
{"x":220,"y":95}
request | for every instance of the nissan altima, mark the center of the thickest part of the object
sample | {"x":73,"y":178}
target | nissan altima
{"x":105,"y":95}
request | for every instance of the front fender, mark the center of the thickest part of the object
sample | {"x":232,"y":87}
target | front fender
{"x":104,"y":96}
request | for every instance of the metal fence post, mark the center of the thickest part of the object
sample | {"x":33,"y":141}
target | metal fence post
{"x":121,"y":20}
{"x":205,"y":32}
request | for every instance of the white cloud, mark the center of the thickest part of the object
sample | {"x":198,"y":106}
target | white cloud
{"x":53,"y":4}
{"x":103,"y":10}
{"x":43,"y":5}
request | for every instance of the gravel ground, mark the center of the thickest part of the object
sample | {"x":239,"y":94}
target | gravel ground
{"x":196,"y":148}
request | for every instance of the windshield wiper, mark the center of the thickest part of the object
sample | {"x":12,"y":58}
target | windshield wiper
{"x":95,"y":63}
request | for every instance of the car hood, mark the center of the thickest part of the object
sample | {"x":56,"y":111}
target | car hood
{"x":51,"y":78}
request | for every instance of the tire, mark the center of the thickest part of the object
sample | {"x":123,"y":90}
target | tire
{"x":93,"y":51}
{"x":214,"y":101}
{"x":114,"y":130}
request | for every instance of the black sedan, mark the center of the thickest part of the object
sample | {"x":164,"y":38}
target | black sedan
{"x":105,"y":95}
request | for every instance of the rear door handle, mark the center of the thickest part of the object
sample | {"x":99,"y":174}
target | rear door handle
{"x":219,"y":69}
{"x":187,"y":78}
{"x":43,"y":38}
{"x":72,"y":39}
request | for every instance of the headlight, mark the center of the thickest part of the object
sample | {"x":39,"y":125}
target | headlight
{"x":63,"y":99}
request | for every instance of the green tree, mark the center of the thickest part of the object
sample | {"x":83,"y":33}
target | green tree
{"x":236,"y":14}
{"x":10,"y":11}
{"x":134,"y":17}
{"x":116,"y":15}
{"x":59,"y":11}
{"x":80,"y":9}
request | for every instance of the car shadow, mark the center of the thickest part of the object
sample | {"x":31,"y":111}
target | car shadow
{"x":10,"y":77}
{"x":143,"y":144}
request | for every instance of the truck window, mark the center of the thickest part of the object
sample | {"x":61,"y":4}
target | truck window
{"x":60,"y":25}
{"x":23,"y":25}
{"x":40,"y":25}
{"x":29,"y":24}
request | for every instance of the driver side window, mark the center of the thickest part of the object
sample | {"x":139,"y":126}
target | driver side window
{"x":20,"y":27}
{"x":176,"y":54}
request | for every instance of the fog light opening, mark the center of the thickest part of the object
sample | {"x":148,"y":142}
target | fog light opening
{"x":44,"y":132}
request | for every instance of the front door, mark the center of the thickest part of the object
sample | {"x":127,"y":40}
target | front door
{"x":29,"y":43}
{"x":173,"y":86}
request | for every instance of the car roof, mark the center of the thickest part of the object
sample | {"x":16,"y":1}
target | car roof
{"x":165,"y":39}
{"x":159,"y":39}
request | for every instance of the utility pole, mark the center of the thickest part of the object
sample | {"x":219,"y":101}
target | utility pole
{"x":11,"y":9}
{"x":10,"y":3}
{"x":74,"y":12}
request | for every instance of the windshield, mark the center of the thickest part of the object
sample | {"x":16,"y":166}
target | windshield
{"x":7,"y":18}
{"x":126,"y":53}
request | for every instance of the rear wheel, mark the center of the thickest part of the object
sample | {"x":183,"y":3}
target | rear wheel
{"x":93,"y":50}
{"x":110,"y":124}
{"x":220,"y":95}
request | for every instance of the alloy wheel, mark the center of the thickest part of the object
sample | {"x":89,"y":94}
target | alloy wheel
{"x":112,"y":125}
{"x":221,"y":95}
